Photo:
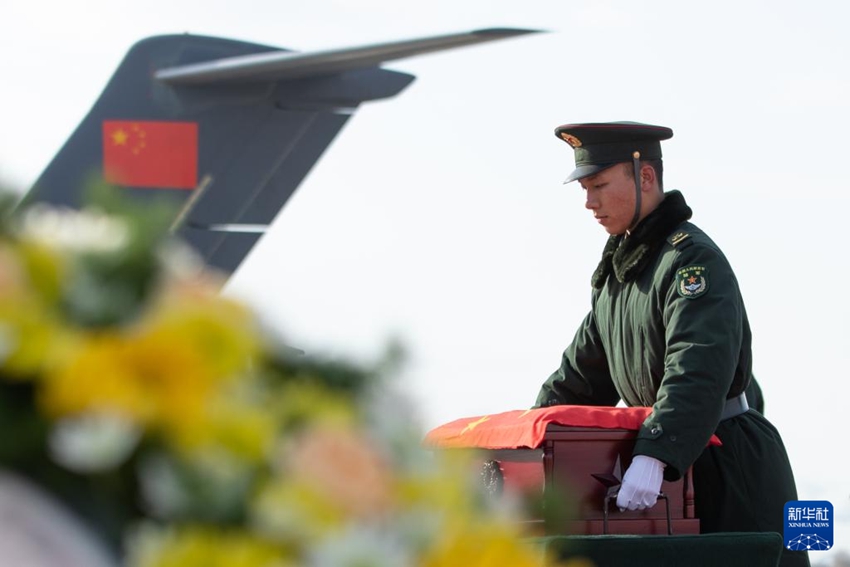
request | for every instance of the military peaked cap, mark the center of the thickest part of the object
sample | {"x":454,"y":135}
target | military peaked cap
{"x":600,"y":145}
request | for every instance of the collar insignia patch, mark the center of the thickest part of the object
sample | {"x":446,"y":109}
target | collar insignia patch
{"x":678,"y":237}
{"x":571,"y":140}
{"x":692,"y":282}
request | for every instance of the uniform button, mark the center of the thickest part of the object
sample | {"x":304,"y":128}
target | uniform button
{"x":672,"y":438}
{"x":654,"y":431}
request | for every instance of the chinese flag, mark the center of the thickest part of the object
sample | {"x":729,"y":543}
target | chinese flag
{"x":526,"y":428}
{"x":150,"y":154}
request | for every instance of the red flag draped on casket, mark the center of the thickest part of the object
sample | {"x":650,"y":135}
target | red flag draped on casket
{"x":526,"y":428}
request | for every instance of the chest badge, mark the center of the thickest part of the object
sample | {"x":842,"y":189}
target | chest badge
{"x":692,"y":282}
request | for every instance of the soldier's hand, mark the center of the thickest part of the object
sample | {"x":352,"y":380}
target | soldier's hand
{"x":641,"y":483}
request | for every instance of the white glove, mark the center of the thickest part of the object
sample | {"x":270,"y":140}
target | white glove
{"x":641,"y":483}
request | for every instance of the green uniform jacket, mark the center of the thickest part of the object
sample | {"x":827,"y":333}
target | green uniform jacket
{"x":668,"y":329}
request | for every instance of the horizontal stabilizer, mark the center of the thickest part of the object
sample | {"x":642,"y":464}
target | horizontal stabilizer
{"x":281,"y":65}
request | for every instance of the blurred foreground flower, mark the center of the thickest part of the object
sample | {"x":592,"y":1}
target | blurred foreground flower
{"x":166,"y":417}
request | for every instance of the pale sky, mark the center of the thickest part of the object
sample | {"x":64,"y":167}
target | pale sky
{"x":439,"y":216}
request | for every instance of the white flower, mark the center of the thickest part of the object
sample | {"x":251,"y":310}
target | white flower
{"x":393,"y":423}
{"x":162,"y":489}
{"x":182,"y":262}
{"x":208,"y":481}
{"x":93,"y":442}
{"x":419,"y":526}
{"x":79,"y":231}
{"x":360,"y":546}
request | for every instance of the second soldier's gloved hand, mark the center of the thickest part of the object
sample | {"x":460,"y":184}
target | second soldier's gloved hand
{"x":641,"y":483}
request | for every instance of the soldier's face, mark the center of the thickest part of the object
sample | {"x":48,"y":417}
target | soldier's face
{"x":610,"y":195}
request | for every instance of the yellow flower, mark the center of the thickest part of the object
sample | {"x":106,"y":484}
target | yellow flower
{"x":482,"y":544}
{"x":30,"y":336}
{"x":165,"y":372}
{"x":223,"y":331}
{"x":156,"y":379}
{"x":45,"y":268}
{"x":451,"y":485}
{"x":286,"y":510}
{"x":207,"y":547}
{"x":247,"y":430}
{"x":13,"y":280}
{"x":30,"y":332}
{"x":307,"y":401}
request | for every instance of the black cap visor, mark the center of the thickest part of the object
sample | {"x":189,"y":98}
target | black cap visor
{"x":587,"y":170}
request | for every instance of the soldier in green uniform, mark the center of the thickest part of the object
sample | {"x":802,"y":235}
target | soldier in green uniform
{"x":667,"y":329}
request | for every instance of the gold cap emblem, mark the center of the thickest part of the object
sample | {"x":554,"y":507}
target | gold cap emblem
{"x":571,"y":140}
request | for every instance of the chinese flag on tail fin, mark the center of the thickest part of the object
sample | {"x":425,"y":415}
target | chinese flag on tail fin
{"x":150,"y":153}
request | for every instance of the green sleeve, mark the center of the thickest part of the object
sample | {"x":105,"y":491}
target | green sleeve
{"x":703,"y":335}
{"x":583,"y":377}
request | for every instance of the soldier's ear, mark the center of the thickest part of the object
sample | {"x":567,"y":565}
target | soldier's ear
{"x":647,"y":177}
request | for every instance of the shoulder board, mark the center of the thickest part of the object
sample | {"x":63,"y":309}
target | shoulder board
{"x":680,"y":239}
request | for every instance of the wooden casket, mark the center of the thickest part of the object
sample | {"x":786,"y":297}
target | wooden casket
{"x":573,"y":470}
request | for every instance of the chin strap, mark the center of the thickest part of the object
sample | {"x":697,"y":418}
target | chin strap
{"x":636,"y":162}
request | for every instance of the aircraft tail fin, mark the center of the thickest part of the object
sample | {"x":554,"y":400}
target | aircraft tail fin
{"x":225,"y":129}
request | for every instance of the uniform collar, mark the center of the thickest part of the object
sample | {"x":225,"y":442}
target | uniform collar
{"x":627,"y":257}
